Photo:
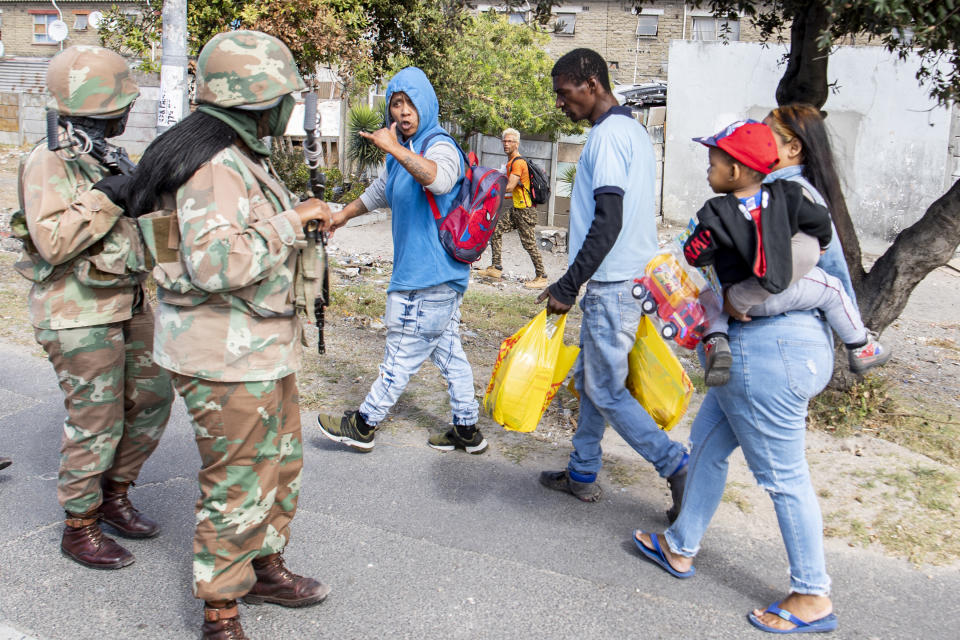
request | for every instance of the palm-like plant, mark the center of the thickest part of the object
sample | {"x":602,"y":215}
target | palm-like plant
{"x":359,"y":149}
{"x":566,"y":178}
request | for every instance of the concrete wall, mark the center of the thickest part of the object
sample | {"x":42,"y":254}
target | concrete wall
{"x":890,"y":140}
{"x":28,"y":111}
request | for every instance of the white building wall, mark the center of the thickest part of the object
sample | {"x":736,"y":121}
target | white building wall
{"x":891,"y":141}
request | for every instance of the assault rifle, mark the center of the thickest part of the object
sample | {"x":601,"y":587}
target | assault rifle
{"x":114,"y":158}
{"x":313,"y":157}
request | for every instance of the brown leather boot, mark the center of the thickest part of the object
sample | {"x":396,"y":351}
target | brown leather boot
{"x":278,"y":585}
{"x":84,"y":542}
{"x":221,"y":621}
{"x":117,"y":512}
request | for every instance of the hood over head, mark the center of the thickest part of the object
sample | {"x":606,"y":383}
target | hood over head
{"x":413,"y":82}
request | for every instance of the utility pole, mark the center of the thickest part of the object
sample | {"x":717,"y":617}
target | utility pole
{"x":172,"y":106}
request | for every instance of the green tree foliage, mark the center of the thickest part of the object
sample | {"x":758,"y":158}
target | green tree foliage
{"x":495,"y":75}
{"x":132,"y":35}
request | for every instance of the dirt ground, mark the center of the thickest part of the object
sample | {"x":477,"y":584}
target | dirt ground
{"x":877,"y":495}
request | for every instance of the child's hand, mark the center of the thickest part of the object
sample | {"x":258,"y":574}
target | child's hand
{"x":731,"y":311}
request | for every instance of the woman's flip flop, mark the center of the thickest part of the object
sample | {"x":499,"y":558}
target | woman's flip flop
{"x":823,"y":625}
{"x":657,"y":556}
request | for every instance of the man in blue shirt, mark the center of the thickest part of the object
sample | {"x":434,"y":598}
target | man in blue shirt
{"x":612,"y":237}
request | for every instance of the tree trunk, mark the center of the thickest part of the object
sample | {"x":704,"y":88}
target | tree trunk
{"x":805,"y":79}
{"x":919,"y":249}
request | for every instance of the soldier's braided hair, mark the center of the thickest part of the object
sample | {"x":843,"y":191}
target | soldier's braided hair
{"x":174,"y":156}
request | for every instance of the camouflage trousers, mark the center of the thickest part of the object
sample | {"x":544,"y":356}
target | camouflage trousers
{"x":117,"y":400}
{"x":251,"y":454}
{"x":525,"y":222}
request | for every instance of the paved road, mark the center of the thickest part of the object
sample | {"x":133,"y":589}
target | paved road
{"x":416,"y":544}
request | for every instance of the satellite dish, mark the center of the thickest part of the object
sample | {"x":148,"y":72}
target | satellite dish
{"x":1,"y":49}
{"x":57,"y":30}
{"x":94,"y":19}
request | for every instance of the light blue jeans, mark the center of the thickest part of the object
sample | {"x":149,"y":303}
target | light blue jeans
{"x":779,"y":363}
{"x":423,"y":324}
{"x":609,"y":327}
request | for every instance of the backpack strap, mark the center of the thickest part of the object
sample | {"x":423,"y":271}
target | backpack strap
{"x":437,"y":216}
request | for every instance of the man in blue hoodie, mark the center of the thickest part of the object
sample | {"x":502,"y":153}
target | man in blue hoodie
{"x":427,"y":287}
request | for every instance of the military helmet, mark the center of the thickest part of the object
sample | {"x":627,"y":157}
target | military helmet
{"x":90,"y":81}
{"x":245,"y":69}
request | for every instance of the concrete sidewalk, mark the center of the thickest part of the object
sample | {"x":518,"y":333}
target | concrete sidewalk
{"x":416,"y":544}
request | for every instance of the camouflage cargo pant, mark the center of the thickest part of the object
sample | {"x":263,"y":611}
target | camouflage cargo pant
{"x":251,"y":454}
{"x":525,"y":222}
{"x":118,"y":403}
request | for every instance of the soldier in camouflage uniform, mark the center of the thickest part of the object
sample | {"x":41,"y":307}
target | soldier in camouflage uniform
{"x":228,"y":237}
{"x":88,"y":308}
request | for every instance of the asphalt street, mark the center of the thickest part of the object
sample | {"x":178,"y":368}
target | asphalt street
{"x":415,"y":544}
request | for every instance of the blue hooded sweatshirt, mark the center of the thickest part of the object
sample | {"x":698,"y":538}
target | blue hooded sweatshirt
{"x":419,"y":260}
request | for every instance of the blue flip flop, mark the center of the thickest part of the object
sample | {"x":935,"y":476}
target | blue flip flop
{"x":657,"y":556}
{"x":823,"y":625}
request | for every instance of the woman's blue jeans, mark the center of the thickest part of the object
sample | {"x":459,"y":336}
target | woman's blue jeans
{"x":779,"y":363}
{"x":423,"y":324}
{"x":607,"y":332}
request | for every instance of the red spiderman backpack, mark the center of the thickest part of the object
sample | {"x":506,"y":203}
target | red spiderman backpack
{"x":466,"y":229}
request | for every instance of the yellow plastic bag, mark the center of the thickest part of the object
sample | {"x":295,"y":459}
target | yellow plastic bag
{"x":530,"y":367}
{"x":656,"y":378}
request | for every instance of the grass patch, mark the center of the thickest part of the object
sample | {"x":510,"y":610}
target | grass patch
{"x":915,"y":516}
{"x":622,"y":473}
{"x":358,"y":300}
{"x":498,"y":311}
{"x":944,"y":343}
{"x":871,"y":408}
{"x":14,"y":322}
{"x":733,"y":495}
{"x":516,"y":452}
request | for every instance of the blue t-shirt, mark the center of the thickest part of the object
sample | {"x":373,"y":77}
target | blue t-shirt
{"x":618,"y":158}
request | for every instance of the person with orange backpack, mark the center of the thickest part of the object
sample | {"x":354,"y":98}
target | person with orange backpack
{"x":522,"y":216}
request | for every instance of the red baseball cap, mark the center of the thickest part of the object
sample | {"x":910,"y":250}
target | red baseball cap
{"x":749,"y":142}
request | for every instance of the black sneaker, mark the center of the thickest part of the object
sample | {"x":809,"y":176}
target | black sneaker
{"x":561,"y":481}
{"x":452,"y":440}
{"x":344,"y":429}
{"x":716,"y":348}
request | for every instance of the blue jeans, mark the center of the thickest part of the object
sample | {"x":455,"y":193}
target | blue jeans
{"x":610,"y":319}
{"x":423,"y":324}
{"x":779,"y":363}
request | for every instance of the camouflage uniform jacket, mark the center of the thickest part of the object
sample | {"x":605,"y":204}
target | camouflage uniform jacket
{"x":83,"y":256}
{"x":227,"y":309}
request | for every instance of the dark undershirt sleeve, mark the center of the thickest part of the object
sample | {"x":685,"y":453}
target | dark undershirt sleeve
{"x":603,"y":233}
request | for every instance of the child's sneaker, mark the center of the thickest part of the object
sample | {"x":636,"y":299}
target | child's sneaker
{"x":475,"y":444}
{"x":716,"y":348}
{"x":872,"y":354}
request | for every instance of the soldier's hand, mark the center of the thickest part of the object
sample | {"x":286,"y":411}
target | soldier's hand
{"x":116,"y":188}
{"x":314,"y":209}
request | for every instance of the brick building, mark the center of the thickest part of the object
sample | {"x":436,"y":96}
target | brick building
{"x":635,"y":45}
{"x":23,"y":24}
